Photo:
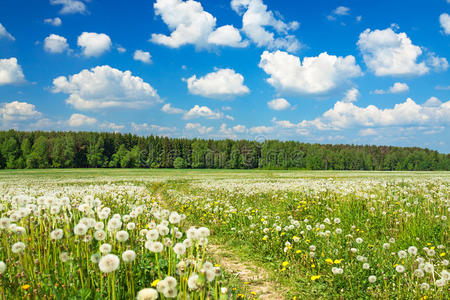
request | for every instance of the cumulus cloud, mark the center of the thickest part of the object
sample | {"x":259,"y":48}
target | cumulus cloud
{"x":388,"y":53}
{"x":94,"y":44}
{"x":223,"y":83}
{"x":190,"y":24}
{"x":315,"y":75}
{"x":145,"y":127}
{"x":78,"y":120}
{"x":105,"y":87}
{"x":111,"y":126}
{"x":444,"y":19}
{"x":369,"y":120}
{"x":227,"y":36}
{"x":198,"y":128}
{"x":398,"y":87}
{"x":10,"y":71}
{"x":5,"y":34}
{"x":437,"y":63}
{"x":261,"y":129}
{"x":142,"y":56}
{"x":279,"y":104}
{"x":232,"y":131}
{"x":70,"y":6}
{"x":351,"y":95}
{"x":202,"y":112}
{"x":18,"y":111}
{"x":53,"y":21}
{"x":169,"y":109}
{"x":55,"y":44}
{"x":256,"y":20}
{"x":338,"y":12}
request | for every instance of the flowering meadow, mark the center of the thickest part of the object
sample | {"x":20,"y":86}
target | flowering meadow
{"x":109,"y":234}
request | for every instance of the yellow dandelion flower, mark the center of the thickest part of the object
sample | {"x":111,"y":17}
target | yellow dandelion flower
{"x":337,"y":261}
{"x":155,"y":282}
{"x":285,"y":263}
{"x":329,"y":261}
{"x":25,"y":287}
{"x":315,"y":277}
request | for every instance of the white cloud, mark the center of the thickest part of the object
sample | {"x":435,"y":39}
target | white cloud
{"x":190,"y":24}
{"x":55,"y":44}
{"x":224,"y":83}
{"x":121,"y":49}
{"x":199,"y":128}
{"x":152,"y":128}
{"x":436,"y":62}
{"x":104,"y":87}
{"x":341,"y":11}
{"x":143,"y":56}
{"x":18,"y":111}
{"x":232,"y":132}
{"x":5,"y":34}
{"x":367,"y":132}
{"x":255,"y":21}
{"x":53,"y":21}
{"x":315,"y":75}
{"x":432,"y":102}
{"x":444,"y":19}
{"x":346,"y":115}
{"x":351,"y":95}
{"x":279,"y":104}
{"x":70,"y":6}
{"x":78,"y":120}
{"x":398,"y":87}
{"x":388,"y":53}
{"x":227,"y":36}
{"x":202,"y":112}
{"x":10,"y":71}
{"x":111,"y":126}
{"x":261,"y":129}
{"x":169,"y":109}
{"x":94,"y":44}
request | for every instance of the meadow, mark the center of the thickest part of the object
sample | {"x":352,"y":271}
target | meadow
{"x":151,"y":234}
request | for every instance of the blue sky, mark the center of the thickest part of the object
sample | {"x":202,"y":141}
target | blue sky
{"x":313,"y":71}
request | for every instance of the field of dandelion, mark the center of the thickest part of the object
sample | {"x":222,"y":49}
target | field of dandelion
{"x":122,"y":234}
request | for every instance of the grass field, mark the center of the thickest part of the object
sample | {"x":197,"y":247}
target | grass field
{"x":328,"y":235}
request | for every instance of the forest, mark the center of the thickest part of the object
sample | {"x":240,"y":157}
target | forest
{"x":41,"y":149}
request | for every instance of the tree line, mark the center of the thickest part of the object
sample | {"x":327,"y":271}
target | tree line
{"x":41,"y":149}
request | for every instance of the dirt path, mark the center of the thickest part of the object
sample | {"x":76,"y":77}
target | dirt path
{"x":256,"y":278}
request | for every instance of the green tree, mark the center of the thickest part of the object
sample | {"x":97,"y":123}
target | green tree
{"x":38,"y":157}
{"x":179,"y":163}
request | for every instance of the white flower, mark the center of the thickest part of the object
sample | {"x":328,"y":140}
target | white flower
{"x":18,"y":247}
{"x":109,"y":263}
{"x":105,"y":248}
{"x":425,"y":286}
{"x":156,"y":247}
{"x":366,"y":266}
{"x":147,"y":294}
{"x":419,"y":273}
{"x":174,"y":218}
{"x":100,"y":235}
{"x":64,"y":256}
{"x":372,"y":278}
{"x":128,"y":256}
{"x":122,"y":236}
{"x":193,"y":282}
{"x":179,"y":249}
{"x":439,"y":282}
{"x":429,"y":268}
{"x":152,"y":235}
{"x":203,"y":232}
{"x":80,"y":229}
{"x":386,"y":246}
{"x":402,"y":254}
{"x":445,"y":275}
{"x":2,"y":267}
{"x":131,"y":226}
{"x":400,"y":268}
{"x":412,"y":251}
{"x":57,"y":234}
{"x":359,"y":240}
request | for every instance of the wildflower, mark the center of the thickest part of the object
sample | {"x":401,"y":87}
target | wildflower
{"x":359,"y":240}
{"x":193,"y":282}
{"x":80,"y":229}
{"x":440,"y":282}
{"x":329,"y":261}
{"x":18,"y":247}
{"x":156,"y":247}
{"x":95,"y":258}
{"x":285,"y":263}
{"x":179,"y":249}
{"x":100,"y":235}
{"x":2,"y":267}
{"x":366,"y":266}
{"x":372,"y":278}
{"x":419,"y":273}
{"x":128,"y":256}
{"x":315,"y":277}
{"x":122,"y":236}
{"x":429,"y":268}
{"x":402,"y":254}
{"x":109,"y":263}
{"x":147,"y":294}
{"x":152,"y":235}
{"x":105,"y":248}
{"x":155,"y":282}
{"x":412,"y":251}
{"x":386,"y":246}
{"x":64,"y":256}
{"x":425,"y":286}
{"x":400,"y":268}
{"x":174,"y":218}
{"x":25,"y":287}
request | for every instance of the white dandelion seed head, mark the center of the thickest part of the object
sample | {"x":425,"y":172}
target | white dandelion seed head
{"x":2,"y":267}
{"x":18,"y":247}
{"x":122,"y":236}
{"x":128,"y":256}
{"x":372,"y":278}
{"x":105,"y":248}
{"x":109,"y":263}
{"x":147,"y":294}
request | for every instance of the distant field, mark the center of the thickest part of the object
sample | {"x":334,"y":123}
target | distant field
{"x":312,"y":234}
